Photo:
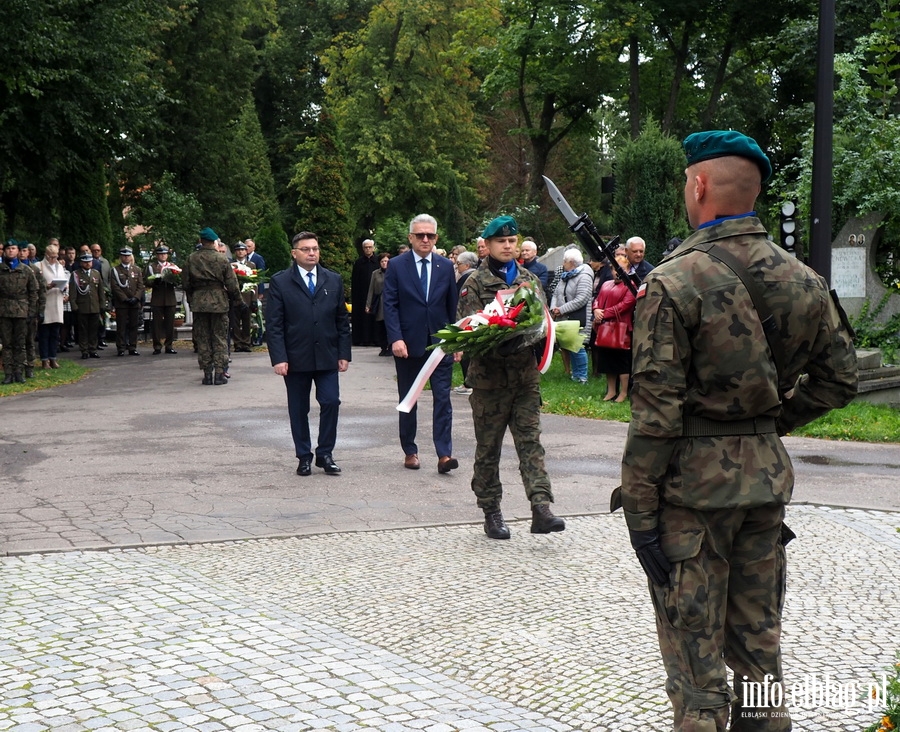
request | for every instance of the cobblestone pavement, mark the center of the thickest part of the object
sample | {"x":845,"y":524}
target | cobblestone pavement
{"x":434,"y":629}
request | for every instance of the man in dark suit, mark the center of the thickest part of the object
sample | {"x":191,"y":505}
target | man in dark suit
{"x":418,"y":300}
{"x":308,"y":335}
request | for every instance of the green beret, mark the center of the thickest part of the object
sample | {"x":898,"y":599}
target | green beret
{"x":11,"y":243}
{"x":501,"y":226}
{"x":721,"y":143}
{"x":208,"y":234}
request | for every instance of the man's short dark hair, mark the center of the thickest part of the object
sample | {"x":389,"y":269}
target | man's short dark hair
{"x":304,"y":235}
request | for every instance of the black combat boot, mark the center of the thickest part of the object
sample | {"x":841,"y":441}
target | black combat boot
{"x":29,"y":372}
{"x":8,"y":377}
{"x":543,"y":521}
{"x":208,"y":377}
{"x":20,"y":377}
{"x":220,"y":378}
{"x":494,"y":525}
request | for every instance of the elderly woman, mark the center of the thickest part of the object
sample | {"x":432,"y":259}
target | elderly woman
{"x":614,"y":304}
{"x":55,"y":278}
{"x":572,"y":301}
{"x":375,"y":305}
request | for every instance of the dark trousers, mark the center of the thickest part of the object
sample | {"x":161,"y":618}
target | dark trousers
{"x":128,"y":321}
{"x":87,"y":331}
{"x":299,"y":384}
{"x":13,"y":332}
{"x":163,"y":325}
{"x":442,"y":414}
{"x":48,"y":340}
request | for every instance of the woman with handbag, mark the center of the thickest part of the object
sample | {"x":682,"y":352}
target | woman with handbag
{"x":613,"y":324}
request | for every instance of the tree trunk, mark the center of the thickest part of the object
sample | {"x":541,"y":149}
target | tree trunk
{"x":680,"y":61}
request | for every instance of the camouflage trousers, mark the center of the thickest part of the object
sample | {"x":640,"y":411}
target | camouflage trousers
{"x":31,"y":329}
{"x":723,"y":609}
{"x":13,"y":332}
{"x":210,"y":333}
{"x":493,"y":410}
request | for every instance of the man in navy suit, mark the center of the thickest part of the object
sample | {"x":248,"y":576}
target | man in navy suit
{"x":308,"y":335}
{"x":419,"y":299}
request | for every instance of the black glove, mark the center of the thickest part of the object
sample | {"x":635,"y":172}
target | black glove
{"x":649,"y":553}
{"x":243,"y":308}
{"x":131,"y":301}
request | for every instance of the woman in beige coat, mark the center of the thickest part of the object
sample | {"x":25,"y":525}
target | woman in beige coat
{"x":55,"y":278}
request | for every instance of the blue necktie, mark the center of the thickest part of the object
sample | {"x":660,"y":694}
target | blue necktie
{"x":312,"y":285}
{"x":423,"y":277}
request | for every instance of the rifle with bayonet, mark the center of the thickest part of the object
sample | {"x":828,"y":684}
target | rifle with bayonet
{"x":587,"y":233}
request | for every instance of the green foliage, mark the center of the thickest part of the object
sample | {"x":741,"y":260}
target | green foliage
{"x":890,"y":715}
{"x":321,"y":185}
{"x":169,"y":216}
{"x":649,"y":183}
{"x":84,"y":215}
{"x":857,"y":422}
{"x":871,"y":334}
{"x":403,"y":97}
{"x":392,"y":231}
{"x":274,"y":245}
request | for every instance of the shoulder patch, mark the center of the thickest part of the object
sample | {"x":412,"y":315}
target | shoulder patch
{"x":642,"y":290}
{"x":464,"y":292}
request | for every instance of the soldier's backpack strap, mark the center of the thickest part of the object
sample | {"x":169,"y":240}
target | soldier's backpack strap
{"x":769,"y":326}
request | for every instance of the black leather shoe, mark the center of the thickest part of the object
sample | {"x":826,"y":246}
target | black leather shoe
{"x":543,"y":521}
{"x":326,"y":462}
{"x":134,"y":352}
{"x":120,"y":353}
{"x":101,"y":344}
{"x":171,"y":350}
{"x":494,"y":525}
{"x":157,"y":351}
{"x":94,"y":355}
{"x":305,"y":467}
{"x":84,"y":357}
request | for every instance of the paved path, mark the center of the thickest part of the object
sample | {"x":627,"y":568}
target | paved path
{"x":385,"y":607}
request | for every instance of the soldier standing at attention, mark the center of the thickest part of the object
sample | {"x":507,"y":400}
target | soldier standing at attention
{"x":18,"y":302}
{"x":162,"y":301}
{"x":88,"y":299}
{"x":127,"y":286}
{"x":705,"y":476}
{"x":506,"y":391}
{"x":211,"y":286}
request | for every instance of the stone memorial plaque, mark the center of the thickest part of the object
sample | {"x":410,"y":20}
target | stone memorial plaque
{"x":848,"y":272}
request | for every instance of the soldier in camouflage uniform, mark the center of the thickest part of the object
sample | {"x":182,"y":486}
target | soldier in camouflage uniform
{"x":705,"y":476}
{"x":18,"y":303}
{"x":506,"y":391}
{"x":211,"y":287}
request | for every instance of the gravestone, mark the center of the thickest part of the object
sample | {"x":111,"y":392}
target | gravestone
{"x":853,"y":274}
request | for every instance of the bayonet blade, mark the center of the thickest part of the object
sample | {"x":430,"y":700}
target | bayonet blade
{"x":561,"y":203}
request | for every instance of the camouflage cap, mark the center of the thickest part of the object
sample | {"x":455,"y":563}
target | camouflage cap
{"x":501,"y":226}
{"x":721,"y":143}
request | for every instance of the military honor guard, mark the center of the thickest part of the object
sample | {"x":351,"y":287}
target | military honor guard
{"x":127,"y":286}
{"x":162,"y":300}
{"x":88,"y":299}
{"x":18,"y":302}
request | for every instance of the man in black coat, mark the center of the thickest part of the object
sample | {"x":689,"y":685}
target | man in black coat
{"x":360,"y":279}
{"x":308,"y":335}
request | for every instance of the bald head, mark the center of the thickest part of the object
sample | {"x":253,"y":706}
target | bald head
{"x":724,"y":186}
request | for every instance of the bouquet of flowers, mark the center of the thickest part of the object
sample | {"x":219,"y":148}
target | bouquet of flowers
{"x":512,"y":313}
{"x":247,"y":275}
{"x":170,"y":273}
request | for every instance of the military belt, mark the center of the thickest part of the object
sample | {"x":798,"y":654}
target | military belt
{"x":703,"y":427}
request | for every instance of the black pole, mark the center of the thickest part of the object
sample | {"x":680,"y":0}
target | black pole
{"x":823,"y":134}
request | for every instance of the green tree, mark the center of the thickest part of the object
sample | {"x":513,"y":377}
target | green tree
{"x":84,"y":216}
{"x":649,"y":183}
{"x":169,"y":217}
{"x":321,"y":187}
{"x":402,"y":94}
{"x":273,"y":245}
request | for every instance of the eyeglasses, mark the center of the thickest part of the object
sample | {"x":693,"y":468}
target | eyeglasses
{"x":424,"y":235}
{"x":306,"y":250}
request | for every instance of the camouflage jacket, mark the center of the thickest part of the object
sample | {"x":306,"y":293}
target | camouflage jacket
{"x":209,"y":282}
{"x":86,"y":291}
{"x":494,"y":371}
{"x":18,"y":291}
{"x":699,"y":351}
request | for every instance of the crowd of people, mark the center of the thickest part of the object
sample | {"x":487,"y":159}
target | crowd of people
{"x":70,"y":298}
{"x":705,"y":476}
